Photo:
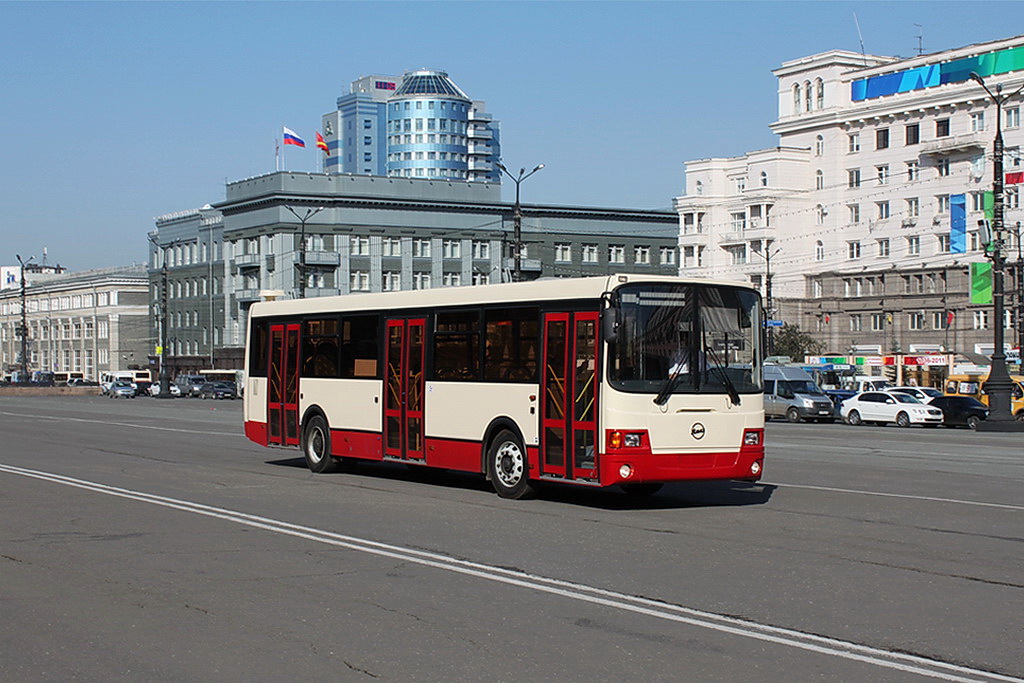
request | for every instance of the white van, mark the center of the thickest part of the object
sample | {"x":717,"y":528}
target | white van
{"x":790,"y":392}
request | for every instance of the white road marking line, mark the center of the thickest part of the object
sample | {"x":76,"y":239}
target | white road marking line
{"x":121,"y":424}
{"x":1003,"y":506}
{"x":568,"y":589}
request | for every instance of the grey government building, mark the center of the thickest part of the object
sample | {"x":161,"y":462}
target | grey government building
{"x":371,"y":234}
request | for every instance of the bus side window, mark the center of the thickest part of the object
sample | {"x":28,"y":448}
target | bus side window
{"x":258,"y":349}
{"x":320,"y":348}
{"x":457,"y":346}
{"x":510,"y":344}
{"x":359,"y":347}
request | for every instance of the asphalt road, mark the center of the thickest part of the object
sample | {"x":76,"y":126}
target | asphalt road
{"x":148,"y":540}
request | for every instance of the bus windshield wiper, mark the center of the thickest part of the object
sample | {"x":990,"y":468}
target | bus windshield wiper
{"x":730,"y":388}
{"x":669,"y":386}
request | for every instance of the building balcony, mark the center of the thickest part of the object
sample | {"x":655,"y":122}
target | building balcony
{"x":529,"y":265}
{"x":247,"y":295}
{"x":479,"y":165}
{"x":313,"y":292}
{"x":956,"y":143}
{"x":247,"y":260}
{"x":322,"y":258}
{"x":479,"y":133}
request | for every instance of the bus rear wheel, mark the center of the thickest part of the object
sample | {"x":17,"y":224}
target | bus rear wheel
{"x":316,"y":446}
{"x":507,"y":466}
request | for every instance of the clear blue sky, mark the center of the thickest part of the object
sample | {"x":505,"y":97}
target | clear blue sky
{"x":115,"y":113}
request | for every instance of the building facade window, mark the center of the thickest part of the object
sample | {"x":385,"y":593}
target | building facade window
{"x":590,"y":253}
{"x":913,"y":133}
{"x":667,"y":256}
{"x":913,"y":171}
{"x":882,"y":138}
{"x":854,"y":210}
{"x":913,"y":207}
{"x":1011,"y":117}
{"x":977,"y":121}
{"x":914,"y":245}
{"x":642,"y":255}
{"x":882,"y":174}
{"x":616,"y":253}
{"x":853,"y":143}
{"x":942,"y":128}
{"x":883,"y":210}
{"x":819,"y":251}
{"x":563,"y":253}
{"x":853,"y":250}
{"x":853,"y":177}
{"x":883,"y":248}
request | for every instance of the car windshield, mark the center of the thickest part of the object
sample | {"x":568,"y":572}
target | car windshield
{"x":682,"y":338}
{"x":800,"y":386}
{"x":904,"y":398}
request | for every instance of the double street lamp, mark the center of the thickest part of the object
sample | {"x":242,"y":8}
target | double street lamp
{"x":517,"y":235}
{"x":999,"y":384}
{"x":301,"y":265}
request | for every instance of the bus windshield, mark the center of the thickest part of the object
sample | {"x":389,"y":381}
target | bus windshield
{"x":684,"y":338}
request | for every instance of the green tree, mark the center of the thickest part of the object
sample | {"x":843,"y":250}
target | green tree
{"x":791,"y":341}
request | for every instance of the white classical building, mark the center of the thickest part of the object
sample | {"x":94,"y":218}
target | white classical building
{"x":853,"y":206}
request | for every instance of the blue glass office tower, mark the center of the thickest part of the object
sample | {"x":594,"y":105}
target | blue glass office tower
{"x":421,"y":125}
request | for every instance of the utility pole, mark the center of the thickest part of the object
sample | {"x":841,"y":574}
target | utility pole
{"x":999,"y":384}
{"x":163,"y":321}
{"x":301,"y":265}
{"x":517,"y":218}
{"x":768,"y":304}
{"x":23,"y":328}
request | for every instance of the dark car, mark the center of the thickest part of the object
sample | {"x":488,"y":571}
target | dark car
{"x":960,"y":411}
{"x":217,"y":390}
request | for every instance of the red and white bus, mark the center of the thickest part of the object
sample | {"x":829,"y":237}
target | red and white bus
{"x":622,"y":380}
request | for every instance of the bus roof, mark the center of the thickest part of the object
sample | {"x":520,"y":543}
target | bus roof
{"x":549,"y":289}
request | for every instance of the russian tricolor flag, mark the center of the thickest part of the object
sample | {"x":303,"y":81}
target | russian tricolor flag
{"x":290,"y":138}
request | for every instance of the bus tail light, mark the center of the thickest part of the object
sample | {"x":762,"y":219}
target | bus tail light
{"x":633,"y":440}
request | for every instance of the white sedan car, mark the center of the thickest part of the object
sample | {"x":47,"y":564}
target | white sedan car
{"x":883,"y":407}
{"x":154,"y":389}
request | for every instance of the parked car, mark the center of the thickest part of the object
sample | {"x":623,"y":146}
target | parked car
{"x":154,"y":389}
{"x":883,"y":407}
{"x":923,"y":394}
{"x":217,"y":390}
{"x":190,"y":385}
{"x":960,"y":410}
{"x":81,"y":382}
{"x":121,"y":390}
{"x":790,"y":392}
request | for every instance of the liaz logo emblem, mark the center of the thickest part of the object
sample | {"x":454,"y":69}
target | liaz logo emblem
{"x":697,"y":431}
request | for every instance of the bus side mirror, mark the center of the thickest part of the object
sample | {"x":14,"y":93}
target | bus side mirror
{"x":610,"y":324}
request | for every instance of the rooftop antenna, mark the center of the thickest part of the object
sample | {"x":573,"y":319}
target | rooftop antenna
{"x":920,"y":39}
{"x":860,"y":36}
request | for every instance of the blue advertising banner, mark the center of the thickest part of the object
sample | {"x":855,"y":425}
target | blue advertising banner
{"x":958,"y":224}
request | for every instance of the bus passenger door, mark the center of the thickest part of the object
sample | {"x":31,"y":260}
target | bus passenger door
{"x":283,"y":386}
{"x":569,"y":396}
{"x":404,"y":389}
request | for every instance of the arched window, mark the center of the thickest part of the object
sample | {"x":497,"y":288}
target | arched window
{"x":820,"y":214}
{"x":700,"y":187}
{"x":764,"y":179}
{"x":819,"y":87}
{"x":807,"y":95}
{"x":819,"y":180}
{"x":819,"y":251}
{"x":796,"y":98}
{"x":819,"y":146}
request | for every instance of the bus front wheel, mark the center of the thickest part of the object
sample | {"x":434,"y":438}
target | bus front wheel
{"x":507,"y":466}
{"x":316,"y":446}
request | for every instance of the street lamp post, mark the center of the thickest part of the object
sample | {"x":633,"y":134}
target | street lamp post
{"x":517,"y":218}
{"x":164,"y":378}
{"x":302,"y":245}
{"x":999,"y":384}
{"x":768,"y":306}
{"x":23,"y":329}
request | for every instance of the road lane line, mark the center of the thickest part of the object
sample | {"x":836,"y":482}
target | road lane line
{"x":1003,"y":506}
{"x":120,"y":424}
{"x":640,"y":605}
